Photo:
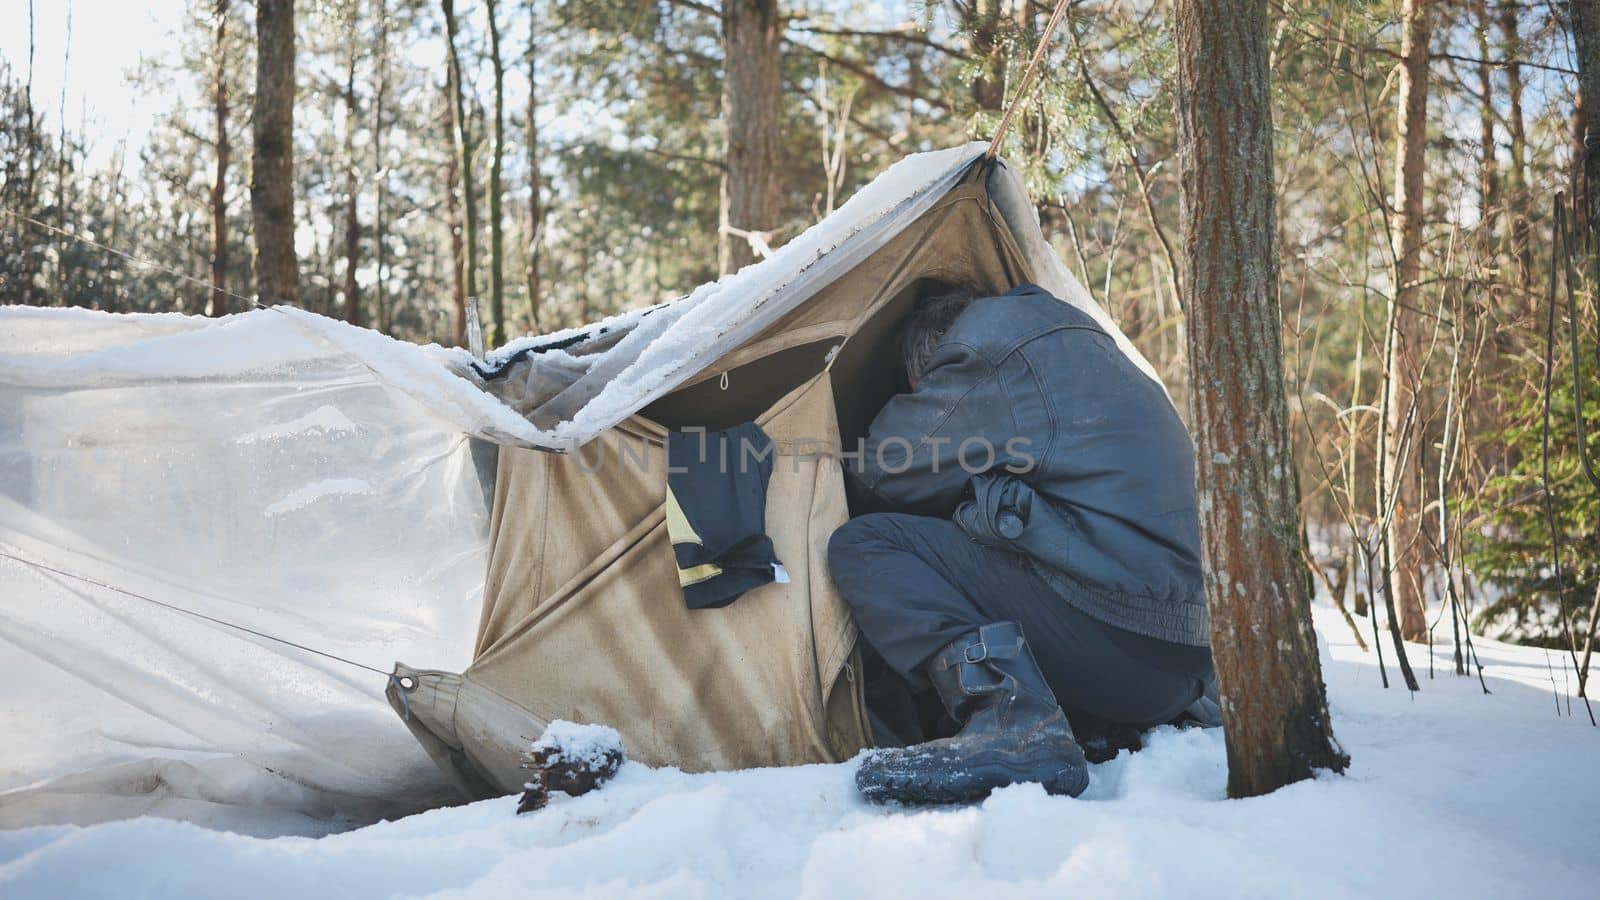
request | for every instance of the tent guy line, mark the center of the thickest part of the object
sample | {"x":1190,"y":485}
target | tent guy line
{"x":157,"y":267}
{"x":1026,"y":86}
{"x":199,"y":615}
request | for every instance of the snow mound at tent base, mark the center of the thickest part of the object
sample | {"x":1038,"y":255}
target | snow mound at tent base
{"x":571,"y":742}
{"x":1452,"y":793}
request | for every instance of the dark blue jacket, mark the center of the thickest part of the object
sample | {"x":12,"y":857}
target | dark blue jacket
{"x":1092,"y":475}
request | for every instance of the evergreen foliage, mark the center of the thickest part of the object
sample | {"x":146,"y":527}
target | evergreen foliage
{"x":1511,"y":547}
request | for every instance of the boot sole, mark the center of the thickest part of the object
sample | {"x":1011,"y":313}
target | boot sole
{"x":996,"y":771}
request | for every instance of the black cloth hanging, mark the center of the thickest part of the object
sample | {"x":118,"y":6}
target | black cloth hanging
{"x":717,"y":513}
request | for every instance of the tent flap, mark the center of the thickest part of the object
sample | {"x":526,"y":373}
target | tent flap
{"x":583,"y":619}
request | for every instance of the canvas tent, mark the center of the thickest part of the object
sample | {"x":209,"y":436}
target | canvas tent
{"x":402,"y":473}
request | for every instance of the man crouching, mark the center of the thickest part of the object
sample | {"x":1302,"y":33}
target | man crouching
{"x":1043,"y":548}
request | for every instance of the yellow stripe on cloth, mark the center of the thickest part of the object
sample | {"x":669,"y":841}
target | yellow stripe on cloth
{"x":697,"y":574}
{"x":678,"y":527}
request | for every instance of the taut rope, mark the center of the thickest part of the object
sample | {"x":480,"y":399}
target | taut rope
{"x":189,"y":612}
{"x":1026,"y":84}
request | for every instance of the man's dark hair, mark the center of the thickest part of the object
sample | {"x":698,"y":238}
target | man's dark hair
{"x":927,"y":323}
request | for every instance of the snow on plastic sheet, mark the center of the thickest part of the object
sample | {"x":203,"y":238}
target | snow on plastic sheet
{"x":252,"y":470}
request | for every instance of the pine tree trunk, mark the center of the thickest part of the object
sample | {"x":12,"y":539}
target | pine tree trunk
{"x":1488,"y":163}
{"x":352,"y":183}
{"x":535,"y":189}
{"x":1402,"y":449}
{"x":1517,"y":175}
{"x":1586,"y":37}
{"x":461,"y":131}
{"x":982,"y":23}
{"x":752,"y":110}
{"x":59,"y":270}
{"x":498,"y":332}
{"x":380,"y":170}
{"x":219,"y":185}
{"x":452,"y":180}
{"x":272,"y":169}
{"x":29,"y":193}
{"x":1275,"y":711}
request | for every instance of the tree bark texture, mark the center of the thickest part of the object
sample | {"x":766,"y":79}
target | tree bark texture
{"x":352,"y":181}
{"x":1275,"y":710}
{"x":497,"y":303}
{"x":1402,"y":449}
{"x":1586,"y":38}
{"x":752,"y":111}
{"x":62,"y":161}
{"x":272,"y":168}
{"x":982,"y":20}
{"x":452,"y":204}
{"x":1517,"y":175}
{"x":27,"y":194}
{"x":461,"y":132}
{"x":219,"y":185}
{"x":380,"y":170}
{"x":535,"y":189}
{"x":1488,"y":163}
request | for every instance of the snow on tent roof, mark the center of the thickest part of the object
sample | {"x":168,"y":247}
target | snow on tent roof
{"x":673,"y":342}
{"x":649,"y":352}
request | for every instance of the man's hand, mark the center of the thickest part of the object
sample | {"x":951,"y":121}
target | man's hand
{"x":997,"y":508}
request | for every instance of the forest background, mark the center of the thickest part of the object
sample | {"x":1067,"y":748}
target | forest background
{"x":560,"y":162}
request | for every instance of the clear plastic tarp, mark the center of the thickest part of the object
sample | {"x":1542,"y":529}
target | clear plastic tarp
{"x":252,"y":470}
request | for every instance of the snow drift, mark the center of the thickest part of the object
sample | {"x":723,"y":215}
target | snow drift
{"x":1451,"y":794}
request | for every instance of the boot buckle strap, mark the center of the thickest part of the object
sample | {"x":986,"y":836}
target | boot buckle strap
{"x":975,"y":653}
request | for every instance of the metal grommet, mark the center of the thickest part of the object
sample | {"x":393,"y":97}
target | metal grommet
{"x":408,"y":683}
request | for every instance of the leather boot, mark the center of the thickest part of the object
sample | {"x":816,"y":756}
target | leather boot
{"x":1012,"y":729}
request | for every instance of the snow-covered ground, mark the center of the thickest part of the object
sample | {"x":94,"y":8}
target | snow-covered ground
{"x":1451,"y":794}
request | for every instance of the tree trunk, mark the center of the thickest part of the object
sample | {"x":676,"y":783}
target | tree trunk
{"x":452,"y":179}
{"x":380,"y":170}
{"x":1275,"y":710}
{"x":461,"y":131}
{"x":352,"y":183}
{"x":272,"y":169}
{"x":1586,"y":37}
{"x":219,"y":185}
{"x":1402,"y":449}
{"x":59,"y":237}
{"x":535,"y":190}
{"x":982,"y":22}
{"x":752,"y":109}
{"x":32,"y":152}
{"x":1516,"y":177}
{"x":1488,"y":163}
{"x":497,"y":305}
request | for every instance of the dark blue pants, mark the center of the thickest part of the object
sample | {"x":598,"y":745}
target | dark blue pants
{"x":916,"y":583}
